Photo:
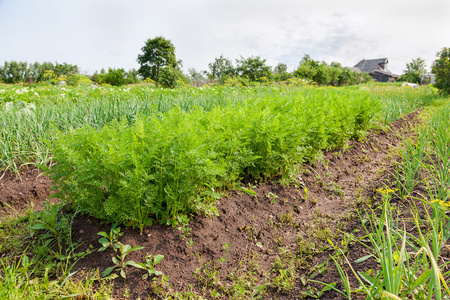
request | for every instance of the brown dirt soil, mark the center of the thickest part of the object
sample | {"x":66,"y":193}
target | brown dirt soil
{"x":18,"y":193}
{"x":282,"y":226}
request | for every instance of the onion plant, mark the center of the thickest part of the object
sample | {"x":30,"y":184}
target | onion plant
{"x":411,"y":264}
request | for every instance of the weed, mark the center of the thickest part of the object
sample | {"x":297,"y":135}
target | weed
{"x":272,"y":197}
{"x":304,"y":251}
{"x":305,"y":189}
{"x":336,"y":189}
{"x":284,"y":268}
{"x":183,"y":221}
{"x":315,"y":293}
{"x":244,"y":280}
{"x":57,"y":228}
{"x":270,"y":221}
{"x":110,"y":240}
{"x":248,"y":191}
{"x":287,"y":218}
{"x":120,"y":263}
{"x":207,"y":274}
{"x":149,"y":266}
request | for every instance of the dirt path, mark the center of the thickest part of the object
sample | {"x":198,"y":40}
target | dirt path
{"x":283,"y":230}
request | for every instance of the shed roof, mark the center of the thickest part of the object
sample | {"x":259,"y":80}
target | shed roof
{"x":386,"y":73}
{"x":369,"y":65}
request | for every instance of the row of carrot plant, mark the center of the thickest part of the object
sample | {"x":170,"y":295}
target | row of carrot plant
{"x":167,"y":152}
{"x":170,"y":164}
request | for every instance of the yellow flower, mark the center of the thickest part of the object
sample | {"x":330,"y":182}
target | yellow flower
{"x":386,"y":191}
{"x":443,"y":204}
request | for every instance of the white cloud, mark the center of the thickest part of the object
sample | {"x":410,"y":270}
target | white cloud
{"x":100,"y":34}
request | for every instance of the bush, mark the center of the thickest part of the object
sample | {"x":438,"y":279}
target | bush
{"x":78,"y":80}
{"x":333,"y":74}
{"x":115,"y":77}
{"x":171,"y":77}
{"x":253,"y":68}
{"x":441,"y":67}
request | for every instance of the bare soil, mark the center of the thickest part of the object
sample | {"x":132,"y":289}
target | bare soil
{"x":18,"y":193}
{"x":289,"y":224}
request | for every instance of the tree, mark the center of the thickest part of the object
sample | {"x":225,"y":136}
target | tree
{"x":37,"y":70}
{"x":413,"y":71}
{"x":322,"y":75}
{"x":157,"y":54}
{"x":280,"y":68}
{"x":65,"y":69}
{"x":132,"y":76}
{"x":335,"y":70}
{"x":363,"y":77}
{"x":78,"y":80}
{"x":114,"y":77}
{"x":333,"y":74}
{"x":280,"y":72}
{"x":307,"y":68}
{"x":254,"y":68}
{"x":336,"y":64}
{"x":347,"y":76}
{"x":14,"y":72}
{"x":170,"y":75}
{"x":196,"y":76}
{"x":220,"y":69}
{"x":441,"y":68}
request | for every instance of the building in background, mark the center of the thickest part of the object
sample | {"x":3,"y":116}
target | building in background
{"x":377,"y":68}
{"x":427,"y":78}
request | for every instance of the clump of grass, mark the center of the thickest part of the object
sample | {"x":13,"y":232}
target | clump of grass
{"x":38,"y":257}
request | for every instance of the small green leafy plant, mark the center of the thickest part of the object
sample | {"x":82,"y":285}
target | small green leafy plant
{"x":183,"y":222}
{"x":120,"y":262}
{"x":110,"y":240}
{"x":272,"y":197}
{"x":149,"y":266}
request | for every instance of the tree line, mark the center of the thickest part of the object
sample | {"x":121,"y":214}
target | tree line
{"x":53,"y":73}
{"x":15,"y":72}
{"x":159,"y":65}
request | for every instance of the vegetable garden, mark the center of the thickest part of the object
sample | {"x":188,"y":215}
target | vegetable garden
{"x":140,"y":157}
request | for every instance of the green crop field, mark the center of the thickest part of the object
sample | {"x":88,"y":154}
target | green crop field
{"x":174,"y":145}
{"x":139,"y":155}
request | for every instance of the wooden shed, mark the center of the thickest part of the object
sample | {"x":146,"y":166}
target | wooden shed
{"x":377,"y":68}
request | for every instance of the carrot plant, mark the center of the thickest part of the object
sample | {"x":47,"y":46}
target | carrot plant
{"x":69,"y":108}
{"x":159,"y":166}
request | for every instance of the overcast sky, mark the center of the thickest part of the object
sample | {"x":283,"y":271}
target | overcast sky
{"x":95,"y":34}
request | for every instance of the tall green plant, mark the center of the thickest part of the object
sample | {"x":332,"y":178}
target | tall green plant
{"x":162,"y":165}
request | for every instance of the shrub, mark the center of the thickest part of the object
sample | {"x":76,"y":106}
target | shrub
{"x":78,"y":80}
{"x":115,"y":77}
{"x":441,"y":67}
